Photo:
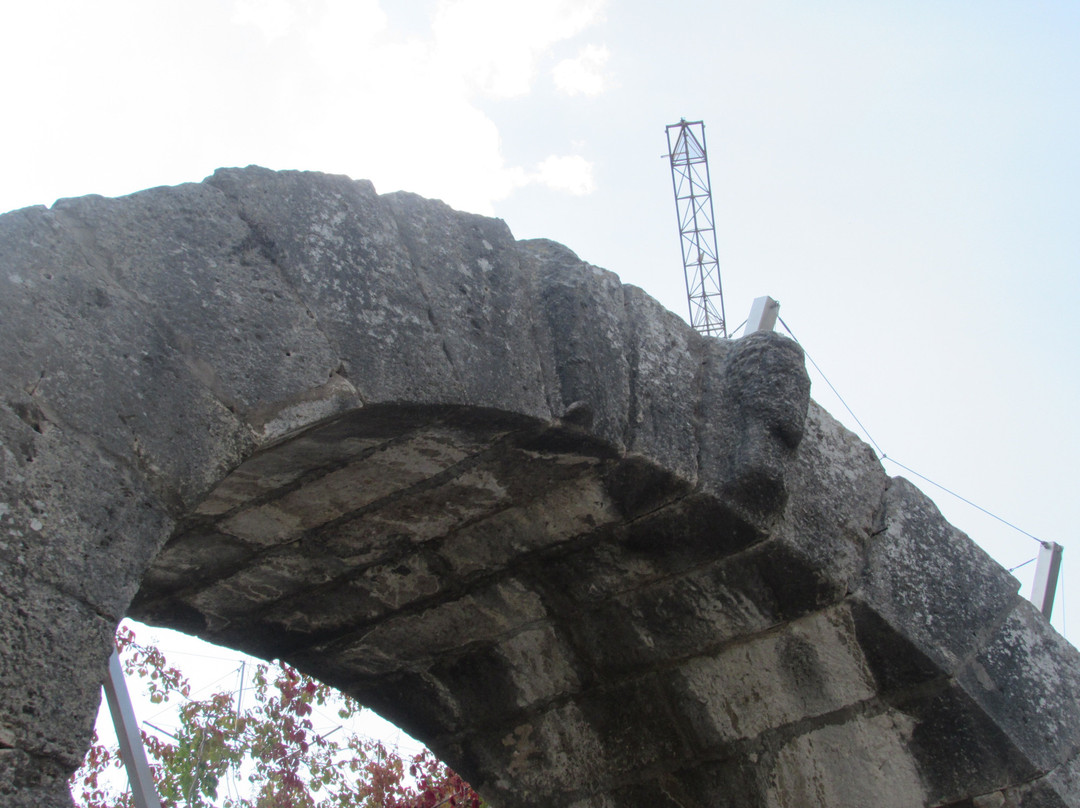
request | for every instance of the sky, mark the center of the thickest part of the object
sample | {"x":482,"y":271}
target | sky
{"x":902,"y":176}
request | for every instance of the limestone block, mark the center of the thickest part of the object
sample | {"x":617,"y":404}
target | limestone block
{"x":280,"y":465}
{"x":665,"y":361}
{"x":731,"y":782}
{"x":585,"y":314}
{"x":835,"y":488}
{"x":636,"y":723}
{"x":31,"y":781}
{"x":598,"y":801}
{"x":648,"y":794}
{"x":213,"y":294}
{"x":690,"y":531}
{"x":861,"y":762}
{"x":895,"y":660}
{"x":655,"y":618}
{"x":594,"y":744}
{"x":558,"y":515}
{"x":347,"y":489}
{"x":260,"y":583}
{"x":919,"y":573}
{"x":666,"y":621}
{"x":541,"y":665}
{"x":481,"y":301}
{"x":755,"y":394}
{"x":539,"y":760}
{"x":198,"y":554}
{"x":1027,"y":677}
{"x":69,"y":510}
{"x":414,"y":639}
{"x":1063,"y":783}
{"x":340,"y":247}
{"x":517,"y":675}
{"x":409,"y":699}
{"x":958,"y":748}
{"x":640,"y":487}
{"x":90,"y":355}
{"x":807,"y":669}
{"x":52,"y":667}
{"x":321,"y":612}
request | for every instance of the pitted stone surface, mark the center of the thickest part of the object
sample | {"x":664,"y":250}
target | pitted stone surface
{"x":589,"y":556}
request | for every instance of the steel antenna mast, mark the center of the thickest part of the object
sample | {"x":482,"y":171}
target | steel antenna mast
{"x":697,"y":233}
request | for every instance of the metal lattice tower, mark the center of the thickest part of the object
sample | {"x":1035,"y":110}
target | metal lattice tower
{"x":697,"y":234}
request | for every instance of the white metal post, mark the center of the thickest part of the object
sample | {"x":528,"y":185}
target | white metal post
{"x":1047,"y":570}
{"x":763,"y":314}
{"x":127,"y":733}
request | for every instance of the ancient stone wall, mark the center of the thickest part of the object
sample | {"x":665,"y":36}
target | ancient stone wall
{"x":591,"y":557}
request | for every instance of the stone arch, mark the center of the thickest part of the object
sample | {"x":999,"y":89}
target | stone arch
{"x":590,"y":556}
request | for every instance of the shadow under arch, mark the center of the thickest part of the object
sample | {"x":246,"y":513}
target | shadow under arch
{"x":464,"y":571}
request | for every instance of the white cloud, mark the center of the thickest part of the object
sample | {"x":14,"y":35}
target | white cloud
{"x":495,"y":44}
{"x":403,"y":114}
{"x":272,"y":18}
{"x":327,"y":85}
{"x":348,"y":32}
{"x":570,"y":173}
{"x":584,"y":74}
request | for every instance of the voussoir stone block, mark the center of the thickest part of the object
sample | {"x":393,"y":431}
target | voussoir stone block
{"x":914,"y":544}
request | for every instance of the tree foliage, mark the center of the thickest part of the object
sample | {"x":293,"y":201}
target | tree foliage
{"x":268,"y":753}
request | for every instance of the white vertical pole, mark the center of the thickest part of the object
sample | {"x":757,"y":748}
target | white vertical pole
{"x":763,"y":314}
{"x":127,"y":733}
{"x":1047,"y":569}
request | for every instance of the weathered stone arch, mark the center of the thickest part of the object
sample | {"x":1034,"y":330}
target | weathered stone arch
{"x":590,"y":556}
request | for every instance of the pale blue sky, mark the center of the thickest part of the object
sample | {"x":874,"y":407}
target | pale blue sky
{"x":902,"y":176}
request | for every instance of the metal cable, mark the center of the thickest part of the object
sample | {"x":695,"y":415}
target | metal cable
{"x":836,"y":392}
{"x":1018,"y":566}
{"x":884,"y":456}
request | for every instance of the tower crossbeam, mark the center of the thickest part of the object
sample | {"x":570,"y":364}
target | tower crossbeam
{"x":697,"y":232}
